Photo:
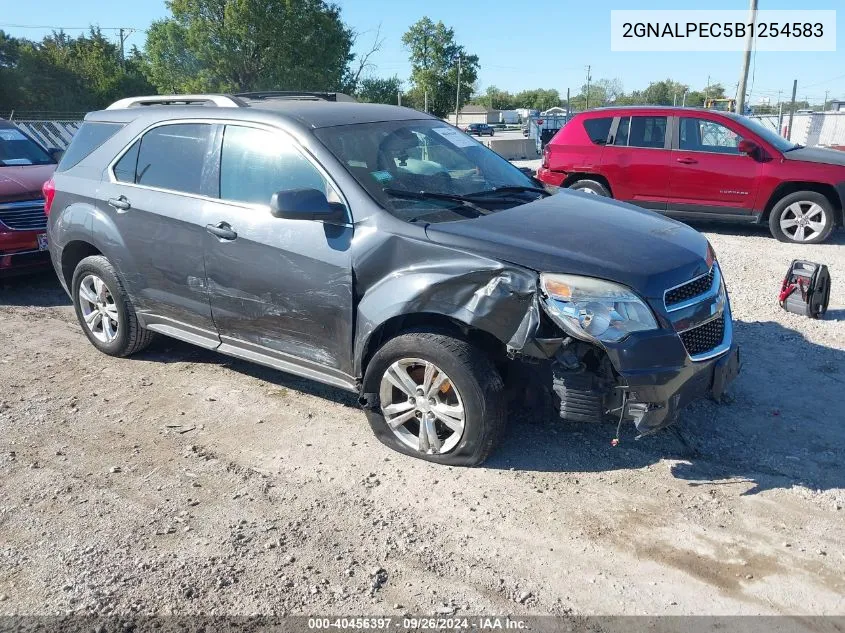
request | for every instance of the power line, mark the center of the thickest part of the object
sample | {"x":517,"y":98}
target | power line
{"x":69,"y":28}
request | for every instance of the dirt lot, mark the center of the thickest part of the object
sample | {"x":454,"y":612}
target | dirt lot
{"x":180,"y":481}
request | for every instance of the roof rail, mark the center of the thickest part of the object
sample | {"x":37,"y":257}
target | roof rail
{"x":295,"y":95}
{"x":219,"y":100}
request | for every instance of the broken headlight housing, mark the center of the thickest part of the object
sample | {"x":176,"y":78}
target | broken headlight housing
{"x":594,"y":309}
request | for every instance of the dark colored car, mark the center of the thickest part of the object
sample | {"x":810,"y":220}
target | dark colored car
{"x":480,"y":129}
{"x":701,"y":164}
{"x":24,"y":168}
{"x":382,"y":251}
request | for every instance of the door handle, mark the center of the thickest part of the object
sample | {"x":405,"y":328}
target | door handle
{"x":120,"y":203}
{"x":686,"y":161}
{"x":223,"y":230}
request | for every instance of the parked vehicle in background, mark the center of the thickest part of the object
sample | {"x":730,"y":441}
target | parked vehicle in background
{"x":700,"y":164}
{"x":24,"y":167}
{"x":480,"y":129}
{"x":383,"y":251}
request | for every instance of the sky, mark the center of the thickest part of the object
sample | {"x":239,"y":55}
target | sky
{"x":520,"y":45}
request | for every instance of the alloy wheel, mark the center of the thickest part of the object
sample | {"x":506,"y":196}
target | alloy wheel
{"x":803,"y":220}
{"x":99,"y":310}
{"x":422,"y":406}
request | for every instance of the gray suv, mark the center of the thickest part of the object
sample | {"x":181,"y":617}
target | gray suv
{"x":383,"y":251}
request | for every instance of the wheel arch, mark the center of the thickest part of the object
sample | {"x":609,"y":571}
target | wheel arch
{"x":786,"y":188}
{"x":434,"y":322}
{"x":72,"y":253}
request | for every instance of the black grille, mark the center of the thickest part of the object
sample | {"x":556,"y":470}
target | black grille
{"x":692,"y":289}
{"x":24,"y":216}
{"x":704,"y":338}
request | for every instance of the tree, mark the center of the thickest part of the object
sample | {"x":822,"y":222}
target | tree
{"x":379,"y":90}
{"x":537,"y":99}
{"x":434,"y":66}
{"x":61,"y":74}
{"x":243,"y":45}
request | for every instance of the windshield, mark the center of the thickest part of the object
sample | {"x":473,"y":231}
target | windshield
{"x":768,"y":134}
{"x":426,"y":170}
{"x":18,"y":149}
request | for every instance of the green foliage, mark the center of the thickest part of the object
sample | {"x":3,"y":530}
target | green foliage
{"x":379,"y":90}
{"x":243,"y":45}
{"x":434,"y":67}
{"x":64,"y":74}
{"x":537,"y":99}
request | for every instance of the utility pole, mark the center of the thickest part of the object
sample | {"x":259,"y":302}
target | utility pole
{"x":746,"y":60}
{"x":425,"y":102}
{"x":684,"y":101}
{"x":824,"y":107}
{"x":587,"y":96}
{"x":791,"y":110}
{"x":674,"y":99}
{"x":458,"y":95}
{"x":568,"y":111}
{"x":399,"y":98}
{"x":707,"y":90}
{"x":124,"y":35}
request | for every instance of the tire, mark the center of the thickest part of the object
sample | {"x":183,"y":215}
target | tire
{"x":471,"y":381}
{"x":128,"y":336}
{"x":809,"y":205}
{"x":590,"y":186}
{"x":492,"y":132}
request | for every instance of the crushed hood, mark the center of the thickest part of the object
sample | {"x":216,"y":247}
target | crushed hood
{"x":583,"y":234}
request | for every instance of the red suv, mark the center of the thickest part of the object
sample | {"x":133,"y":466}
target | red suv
{"x":700,"y":164}
{"x":24,"y":167}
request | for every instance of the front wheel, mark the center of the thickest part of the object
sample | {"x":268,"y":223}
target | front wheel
{"x":803,"y":217}
{"x":440,"y":398}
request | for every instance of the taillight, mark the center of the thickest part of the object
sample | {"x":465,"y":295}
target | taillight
{"x":546,"y":152}
{"x":49,"y":191}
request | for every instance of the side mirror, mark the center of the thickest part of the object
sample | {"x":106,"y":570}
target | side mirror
{"x":306,"y":204}
{"x":747,"y":147}
{"x":56,"y":153}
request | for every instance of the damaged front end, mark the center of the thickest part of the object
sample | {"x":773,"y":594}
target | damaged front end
{"x":635,"y":361}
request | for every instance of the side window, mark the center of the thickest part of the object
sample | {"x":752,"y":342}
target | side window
{"x":88,"y":138}
{"x":598,"y":129}
{"x":255,"y":164}
{"x":647,"y":131}
{"x":177,"y":157}
{"x":124,"y":169}
{"x":707,"y":136}
{"x":641,"y":131}
{"x":622,"y":131}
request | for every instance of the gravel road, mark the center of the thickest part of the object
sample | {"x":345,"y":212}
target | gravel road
{"x":184,"y":482}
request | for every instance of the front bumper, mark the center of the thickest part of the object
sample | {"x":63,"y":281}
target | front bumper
{"x":655,"y":398}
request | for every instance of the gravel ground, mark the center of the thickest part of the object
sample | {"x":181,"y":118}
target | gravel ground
{"x":184,"y":482}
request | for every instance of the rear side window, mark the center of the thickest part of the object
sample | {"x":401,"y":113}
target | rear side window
{"x":177,"y":157}
{"x":88,"y":138}
{"x":124,"y":169}
{"x":598,"y":129}
{"x":641,"y":131}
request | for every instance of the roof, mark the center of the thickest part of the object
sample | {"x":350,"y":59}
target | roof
{"x":311,"y":114}
{"x":657,"y":108}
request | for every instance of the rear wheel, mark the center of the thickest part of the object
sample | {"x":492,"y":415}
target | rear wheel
{"x":440,"y":398}
{"x":590,"y":186}
{"x":104,"y":310}
{"x":803,"y":217}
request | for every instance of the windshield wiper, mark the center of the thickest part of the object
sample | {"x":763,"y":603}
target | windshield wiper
{"x":433,"y":195}
{"x":508,"y":189}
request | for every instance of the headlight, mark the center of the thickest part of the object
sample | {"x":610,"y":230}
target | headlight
{"x":593,"y":309}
